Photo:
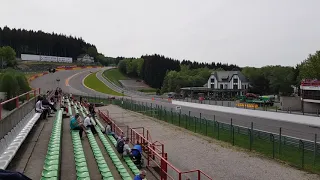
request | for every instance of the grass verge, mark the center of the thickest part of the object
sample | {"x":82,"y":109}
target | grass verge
{"x":114,"y":75}
{"x":94,"y":83}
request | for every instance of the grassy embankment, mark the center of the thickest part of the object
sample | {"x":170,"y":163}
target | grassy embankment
{"x":114,"y":75}
{"x":94,"y":83}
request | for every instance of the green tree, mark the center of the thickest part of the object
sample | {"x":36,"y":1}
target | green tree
{"x":310,"y":68}
{"x":8,"y":55}
{"x":10,"y":86}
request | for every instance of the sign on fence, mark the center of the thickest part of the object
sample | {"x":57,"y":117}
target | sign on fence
{"x":247,"y":105}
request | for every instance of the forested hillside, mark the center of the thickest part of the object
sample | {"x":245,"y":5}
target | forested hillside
{"x":38,"y":42}
{"x":155,"y":69}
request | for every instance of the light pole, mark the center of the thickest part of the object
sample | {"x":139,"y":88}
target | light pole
{"x":58,"y":81}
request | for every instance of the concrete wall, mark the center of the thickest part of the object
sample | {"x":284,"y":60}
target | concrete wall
{"x":292,"y":103}
{"x":15,"y":116}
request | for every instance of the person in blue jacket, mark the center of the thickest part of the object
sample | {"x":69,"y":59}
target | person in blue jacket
{"x":141,"y":175}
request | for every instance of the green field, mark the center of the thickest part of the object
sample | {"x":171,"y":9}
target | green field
{"x":114,"y":75}
{"x":94,"y":83}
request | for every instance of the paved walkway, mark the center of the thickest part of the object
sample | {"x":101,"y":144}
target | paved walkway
{"x":217,"y":159}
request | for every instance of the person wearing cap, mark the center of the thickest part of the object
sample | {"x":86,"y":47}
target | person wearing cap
{"x":141,"y":175}
{"x":75,"y":124}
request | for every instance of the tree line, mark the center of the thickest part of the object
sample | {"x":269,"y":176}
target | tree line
{"x":169,"y":74}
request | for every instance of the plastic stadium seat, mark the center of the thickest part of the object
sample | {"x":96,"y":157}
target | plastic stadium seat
{"x":51,"y":166}
{"x":11,"y":142}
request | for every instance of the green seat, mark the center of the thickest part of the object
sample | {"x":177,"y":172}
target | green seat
{"x":55,"y":149}
{"x":78,"y":156}
{"x":103,"y":166}
{"x":108,"y":178}
{"x":51,"y":167}
{"x":104,"y":169}
{"x":101,"y":161}
{"x":82,"y":169}
{"x":79,"y":160}
{"x":123,"y":170}
{"x":83,"y":174}
{"x":99,"y":158}
{"x":117,"y":163}
{"x":125,"y":175}
{"x":52,"y":157}
{"x":135,"y":171}
{"x":98,"y":155}
{"x":106,"y":174}
{"x":49,"y":178}
{"x":51,"y":162}
{"x":81,"y":164}
{"x":48,"y":174}
{"x":126,"y":178}
{"x":83,"y":178}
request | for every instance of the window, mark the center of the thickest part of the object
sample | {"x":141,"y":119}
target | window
{"x":212,"y":86}
{"x":235,"y":80}
{"x":235,"y":86}
{"x":212,"y":80}
{"x":221,"y":86}
{"x":226,"y":86}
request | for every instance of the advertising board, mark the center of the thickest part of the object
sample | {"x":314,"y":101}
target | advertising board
{"x":32,"y":57}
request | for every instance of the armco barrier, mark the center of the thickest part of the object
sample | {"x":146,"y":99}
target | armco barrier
{"x":19,"y":107}
{"x":157,"y":159}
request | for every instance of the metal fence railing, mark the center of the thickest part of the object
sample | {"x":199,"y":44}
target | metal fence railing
{"x":301,"y":153}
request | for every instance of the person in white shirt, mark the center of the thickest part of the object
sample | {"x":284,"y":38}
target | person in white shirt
{"x":87,"y":123}
{"x":40,"y":109}
{"x":127,"y":149}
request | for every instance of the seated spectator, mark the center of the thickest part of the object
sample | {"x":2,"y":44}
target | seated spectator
{"x":47,"y":103}
{"x":75,"y":124}
{"x":138,"y":147}
{"x":127,"y":149}
{"x":120,"y":144}
{"x":108,"y":130}
{"x":87,"y":123}
{"x":141,"y":175}
{"x":40,"y":109}
{"x":120,"y":137}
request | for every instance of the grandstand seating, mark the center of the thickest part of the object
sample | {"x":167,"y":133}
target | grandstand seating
{"x":110,"y":150}
{"x":79,"y":157}
{"x":51,"y":166}
{"x":10,"y":144}
{"x":102,"y":164}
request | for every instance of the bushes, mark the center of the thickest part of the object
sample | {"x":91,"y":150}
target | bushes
{"x":13,"y":83}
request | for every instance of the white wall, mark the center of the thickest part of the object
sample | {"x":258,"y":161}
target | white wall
{"x":32,"y":57}
{"x":215,"y":81}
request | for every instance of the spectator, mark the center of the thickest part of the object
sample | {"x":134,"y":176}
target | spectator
{"x":120,"y":138}
{"x":47,"y":103}
{"x":126,"y":149}
{"x":120,"y":144}
{"x":56,"y":94}
{"x":92,"y":112}
{"x":75,"y":124}
{"x":40,"y":109}
{"x":137,"y":147}
{"x":141,"y":175}
{"x":80,"y":99}
{"x":87,"y":123}
{"x":108,"y":130}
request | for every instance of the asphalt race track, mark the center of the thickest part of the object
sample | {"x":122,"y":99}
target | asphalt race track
{"x":71,"y":82}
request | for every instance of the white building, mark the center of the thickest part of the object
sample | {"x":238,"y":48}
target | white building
{"x":85,"y":58}
{"x":228,"y":80}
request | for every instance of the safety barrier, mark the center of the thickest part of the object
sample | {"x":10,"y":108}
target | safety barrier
{"x":154,"y":158}
{"x":247,"y":105}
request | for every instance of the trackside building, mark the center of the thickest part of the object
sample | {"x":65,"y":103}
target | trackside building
{"x":310,"y":95}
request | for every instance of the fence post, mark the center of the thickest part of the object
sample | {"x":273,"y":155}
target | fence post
{"x":302,"y":156}
{"x":195,"y":124}
{"x":280,"y":132}
{"x":186,"y":120}
{"x":315,"y":150}
{"x":17,"y":102}
{"x":171,"y":116}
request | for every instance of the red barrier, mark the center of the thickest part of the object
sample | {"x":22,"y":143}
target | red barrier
{"x":16,"y":99}
{"x":155,"y":156}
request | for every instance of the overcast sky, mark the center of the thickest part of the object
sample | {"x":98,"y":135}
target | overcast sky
{"x":243,"y":32}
